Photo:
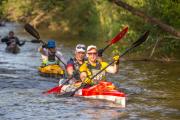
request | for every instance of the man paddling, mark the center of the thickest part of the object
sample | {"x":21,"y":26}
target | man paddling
{"x":93,"y":66}
{"x":12,"y":42}
{"x":49,"y":54}
{"x":74,"y":64}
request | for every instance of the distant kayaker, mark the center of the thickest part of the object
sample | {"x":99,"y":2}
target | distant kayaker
{"x":50,"y":54}
{"x":12,"y":42}
{"x":93,"y":66}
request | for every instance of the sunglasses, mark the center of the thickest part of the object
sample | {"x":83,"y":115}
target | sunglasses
{"x":81,"y":52}
{"x":93,"y":53}
{"x":81,"y":48}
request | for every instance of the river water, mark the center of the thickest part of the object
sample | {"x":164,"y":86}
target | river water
{"x":152,"y":88}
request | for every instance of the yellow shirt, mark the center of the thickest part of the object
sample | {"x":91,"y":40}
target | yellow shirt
{"x":90,"y":73}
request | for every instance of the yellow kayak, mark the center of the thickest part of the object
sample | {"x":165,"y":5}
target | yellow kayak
{"x":51,"y":70}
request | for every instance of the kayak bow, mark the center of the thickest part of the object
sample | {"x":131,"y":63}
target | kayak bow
{"x":103,"y":90}
{"x":51,"y":70}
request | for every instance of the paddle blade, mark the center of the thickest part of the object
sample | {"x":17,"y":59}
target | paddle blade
{"x":31,"y":30}
{"x":53,"y":90}
{"x":119,"y":36}
{"x":137,"y":43}
{"x":141,"y":39}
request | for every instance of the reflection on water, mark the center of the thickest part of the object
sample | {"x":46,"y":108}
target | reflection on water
{"x":152,"y":89}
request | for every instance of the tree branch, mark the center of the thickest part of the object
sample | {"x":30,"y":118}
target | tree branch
{"x":152,"y":20}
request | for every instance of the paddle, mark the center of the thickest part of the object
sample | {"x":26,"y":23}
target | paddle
{"x":31,"y":30}
{"x":33,"y":41}
{"x":134,"y":45}
{"x":53,"y":90}
{"x":118,"y":37}
{"x":56,"y":89}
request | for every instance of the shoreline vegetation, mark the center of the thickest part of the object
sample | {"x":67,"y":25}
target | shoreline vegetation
{"x":103,"y":19}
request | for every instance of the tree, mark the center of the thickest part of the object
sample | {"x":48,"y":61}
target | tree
{"x":147,"y":18}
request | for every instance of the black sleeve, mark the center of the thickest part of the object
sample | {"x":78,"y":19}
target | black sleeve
{"x":70,"y":62}
{"x":5,"y":39}
{"x":18,"y":42}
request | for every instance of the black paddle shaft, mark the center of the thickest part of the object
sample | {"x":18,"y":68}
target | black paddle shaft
{"x":106,"y":47}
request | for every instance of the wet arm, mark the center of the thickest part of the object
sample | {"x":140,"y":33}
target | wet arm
{"x":70,"y":70}
{"x":83,"y":76}
{"x":113,"y":69}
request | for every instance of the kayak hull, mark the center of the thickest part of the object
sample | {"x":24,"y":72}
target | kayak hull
{"x":119,"y":100}
{"x":13,"y":50}
{"x":102,"y":91}
{"x":51,"y":71}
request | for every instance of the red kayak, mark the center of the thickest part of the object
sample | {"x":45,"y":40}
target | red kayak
{"x":103,"y":90}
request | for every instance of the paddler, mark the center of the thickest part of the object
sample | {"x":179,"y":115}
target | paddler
{"x":74,"y":64}
{"x":50,"y":54}
{"x":93,"y":66}
{"x":12,"y":41}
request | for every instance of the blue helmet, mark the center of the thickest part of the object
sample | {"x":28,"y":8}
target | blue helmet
{"x":51,"y":44}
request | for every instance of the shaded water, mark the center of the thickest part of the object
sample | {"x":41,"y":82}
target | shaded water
{"x":153,"y":89}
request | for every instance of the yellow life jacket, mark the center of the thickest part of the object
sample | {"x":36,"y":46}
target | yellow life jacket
{"x":92,"y":70}
{"x":46,"y":62}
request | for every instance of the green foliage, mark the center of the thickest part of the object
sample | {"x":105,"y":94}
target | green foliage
{"x":82,"y":18}
{"x":166,"y":10}
{"x":99,"y":19}
{"x":1,"y":8}
{"x":15,"y":10}
{"x":169,"y":45}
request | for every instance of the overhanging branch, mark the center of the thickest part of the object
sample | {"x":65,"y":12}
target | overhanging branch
{"x":152,"y":20}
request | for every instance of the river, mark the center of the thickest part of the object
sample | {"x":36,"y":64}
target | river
{"x":152,"y":88}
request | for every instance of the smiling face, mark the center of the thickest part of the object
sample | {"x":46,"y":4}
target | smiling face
{"x":92,"y":55}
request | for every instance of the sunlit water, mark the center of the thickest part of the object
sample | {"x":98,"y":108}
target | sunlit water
{"x":153,"y":89}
